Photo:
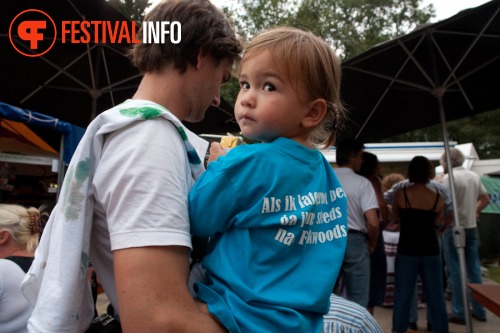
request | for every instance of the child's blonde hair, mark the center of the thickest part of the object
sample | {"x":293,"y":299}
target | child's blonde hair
{"x":23,"y":224}
{"x":309,"y":59}
{"x":389,"y":180}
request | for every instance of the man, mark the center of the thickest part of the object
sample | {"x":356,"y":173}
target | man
{"x":124,"y":199}
{"x":471,"y":198}
{"x":363,"y":222}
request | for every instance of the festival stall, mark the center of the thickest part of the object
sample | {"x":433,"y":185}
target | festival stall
{"x":31,"y":169}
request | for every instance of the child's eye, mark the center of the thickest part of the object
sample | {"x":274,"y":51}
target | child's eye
{"x":244,"y":85}
{"x":269,"y":87}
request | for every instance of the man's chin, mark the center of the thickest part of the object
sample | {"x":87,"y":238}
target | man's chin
{"x":194,"y":119}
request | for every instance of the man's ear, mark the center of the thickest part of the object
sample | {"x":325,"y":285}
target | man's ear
{"x":199,"y":60}
{"x":315,"y":114}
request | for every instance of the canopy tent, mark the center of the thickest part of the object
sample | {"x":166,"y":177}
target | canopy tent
{"x":19,"y":139}
{"x":492,"y":185}
{"x":69,"y":134}
{"x":21,"y":148}
{"x":494,"y":174}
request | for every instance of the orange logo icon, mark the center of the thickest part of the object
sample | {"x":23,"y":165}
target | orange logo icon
{"x":29,"y":31}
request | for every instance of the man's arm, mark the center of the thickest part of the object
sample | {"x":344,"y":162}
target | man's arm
{"x":447,"y":221}
{"x":377,"y":186}
{"x":389,"y":194}
{"x":447,"y":216}
{"x":482,"y":202}
{"x":440,"y":218}
{"x":140,"y":184}
{"x":153,"y":296}
{"x":373,"y":226}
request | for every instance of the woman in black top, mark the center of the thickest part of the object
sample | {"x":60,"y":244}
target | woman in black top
{"x":420,"y":211}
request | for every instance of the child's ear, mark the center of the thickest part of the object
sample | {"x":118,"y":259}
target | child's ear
{"x":315,"y":114}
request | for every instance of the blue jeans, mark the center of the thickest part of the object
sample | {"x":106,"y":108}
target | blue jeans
{"x":414,"y":306}
{"x":473,"y":269}
{"x":356,"y":269}
{"x":405,"y":277}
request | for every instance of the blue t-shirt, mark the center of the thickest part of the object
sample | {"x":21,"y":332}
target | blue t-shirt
{"x":277,"y":215}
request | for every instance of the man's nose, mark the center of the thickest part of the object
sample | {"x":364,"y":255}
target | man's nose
{"x":216,"y":100}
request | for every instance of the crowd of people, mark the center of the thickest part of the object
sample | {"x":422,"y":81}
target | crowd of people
{"x":417,"y":215}
{"x":293,"y":244}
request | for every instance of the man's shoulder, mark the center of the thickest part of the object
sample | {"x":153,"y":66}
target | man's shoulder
{"x":466,"y":173}
{"x":438,"y":185}
{"x":345,"y":172}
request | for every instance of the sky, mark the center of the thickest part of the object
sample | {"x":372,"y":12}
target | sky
{"x":444,"y":8}
{"x":447,"y":8}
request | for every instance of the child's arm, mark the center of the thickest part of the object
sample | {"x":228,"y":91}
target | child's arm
{"x":219,"y":149}
{"x":216,"y":150}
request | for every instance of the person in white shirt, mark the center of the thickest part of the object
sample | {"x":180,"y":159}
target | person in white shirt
{"x":471,"y":198}
{"x":363,"y":222}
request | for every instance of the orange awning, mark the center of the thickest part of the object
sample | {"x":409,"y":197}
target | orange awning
{"x":15,"y":135}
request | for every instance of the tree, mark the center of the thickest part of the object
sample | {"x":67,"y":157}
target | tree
{"x":480,"y":129}
{"x":250,"y":16}
{"x":131,"y":9}
{"x":350,"y":26}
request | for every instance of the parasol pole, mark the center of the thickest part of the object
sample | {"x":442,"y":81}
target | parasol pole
{"x":458,"y":231}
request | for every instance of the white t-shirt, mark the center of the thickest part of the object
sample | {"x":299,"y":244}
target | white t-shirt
{"x":468,"y":188}
{"x":141,"y":194}
{"x":14,"y":308}
{"x":360,"y":197}
{"x":128,"y":179}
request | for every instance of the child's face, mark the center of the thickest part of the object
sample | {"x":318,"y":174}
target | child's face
{"x":267,"y":106}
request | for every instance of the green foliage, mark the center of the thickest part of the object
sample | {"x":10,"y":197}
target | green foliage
{"x":229,"y":90}
{"x":131,"y":9}
{"x":494,"y":273}
{"x":353,"y":26}
{"x":350,"y":26}
{"x":480,"y":129}
{"x":250,"y":17}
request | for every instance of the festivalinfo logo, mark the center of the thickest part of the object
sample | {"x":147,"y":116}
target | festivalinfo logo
{"x":33,"y":32}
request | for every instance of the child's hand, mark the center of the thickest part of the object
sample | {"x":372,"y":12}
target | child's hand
{"x":216,"y":150}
